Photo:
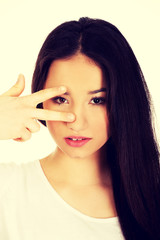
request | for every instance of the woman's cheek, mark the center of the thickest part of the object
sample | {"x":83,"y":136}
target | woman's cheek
{"x":101,"y":123}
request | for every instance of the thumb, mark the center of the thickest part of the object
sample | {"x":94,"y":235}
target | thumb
{"x":17,"y":88}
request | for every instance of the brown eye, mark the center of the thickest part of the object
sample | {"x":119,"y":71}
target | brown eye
{"x":59,"y":100}
{"x":98,"y":100}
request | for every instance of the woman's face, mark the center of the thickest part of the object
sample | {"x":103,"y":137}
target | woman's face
{"x":82,"y":78}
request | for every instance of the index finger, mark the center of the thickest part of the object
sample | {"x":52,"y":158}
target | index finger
{"x":45,"y":94}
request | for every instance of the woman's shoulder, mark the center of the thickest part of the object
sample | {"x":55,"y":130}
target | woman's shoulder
{"x":7,"y":169}
{"x":12,"y":173}
{"x":9,"y":166}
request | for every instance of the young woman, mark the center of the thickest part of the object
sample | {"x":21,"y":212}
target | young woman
{"x":103,"y":179}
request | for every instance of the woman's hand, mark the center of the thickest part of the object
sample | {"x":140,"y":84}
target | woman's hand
{"x":18,"y":114}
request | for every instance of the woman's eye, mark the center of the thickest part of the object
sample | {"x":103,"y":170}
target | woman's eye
{"x":98,"y":100}
{"x":94,"y":101}
{"x":59,"y":100}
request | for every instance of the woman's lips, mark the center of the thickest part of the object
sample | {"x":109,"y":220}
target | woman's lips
{"x":76,"y":141}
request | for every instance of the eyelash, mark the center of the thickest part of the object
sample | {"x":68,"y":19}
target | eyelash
{"x":101,"y":99}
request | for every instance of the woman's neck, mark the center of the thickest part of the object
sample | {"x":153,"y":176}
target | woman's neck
{"x":75,"y":171}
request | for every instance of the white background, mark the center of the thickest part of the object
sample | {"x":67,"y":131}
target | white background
{"x":24,"y":26}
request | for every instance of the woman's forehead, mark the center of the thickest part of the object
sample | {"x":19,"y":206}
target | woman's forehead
{"x":75,"y":72}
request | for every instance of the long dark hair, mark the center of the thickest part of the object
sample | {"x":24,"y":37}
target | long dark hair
{"x":132,"y":150}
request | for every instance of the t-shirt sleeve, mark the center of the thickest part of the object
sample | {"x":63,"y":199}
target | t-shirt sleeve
{"x":7,"y":172}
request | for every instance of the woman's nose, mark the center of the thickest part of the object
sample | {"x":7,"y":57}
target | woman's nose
{"x":80,"y":123}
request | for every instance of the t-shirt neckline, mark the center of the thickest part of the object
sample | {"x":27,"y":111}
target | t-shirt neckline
{"x":60,"y":199}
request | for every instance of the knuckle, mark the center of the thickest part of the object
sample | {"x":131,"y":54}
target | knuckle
{"x":38,"y":127}
{"x":19,"y":130}
{"x":33,"y":126}
{"x":27,"y":135}
{"x":35,"y":129}
{"x":24,"y":100}
{"x":23,"y":135}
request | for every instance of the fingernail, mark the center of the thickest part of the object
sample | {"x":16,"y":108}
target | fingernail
{"x":70,"y":116}
{"x":62,"y":88}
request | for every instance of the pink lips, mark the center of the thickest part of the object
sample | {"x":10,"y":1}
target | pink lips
{"x":80,"y":141}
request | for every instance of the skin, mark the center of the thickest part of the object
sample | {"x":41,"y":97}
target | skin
{"x":18,"y":114}
{"x":75,"y":171}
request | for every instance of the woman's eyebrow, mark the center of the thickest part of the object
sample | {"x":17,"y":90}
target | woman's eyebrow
{"x":97,"y":91}
{"x":91,"y":92}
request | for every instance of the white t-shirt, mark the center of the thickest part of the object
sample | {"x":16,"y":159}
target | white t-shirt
{"x":31,"y":209}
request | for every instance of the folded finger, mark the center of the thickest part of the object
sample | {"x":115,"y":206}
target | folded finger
{"x":26,"y":135}
{"x":33,"y":126}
